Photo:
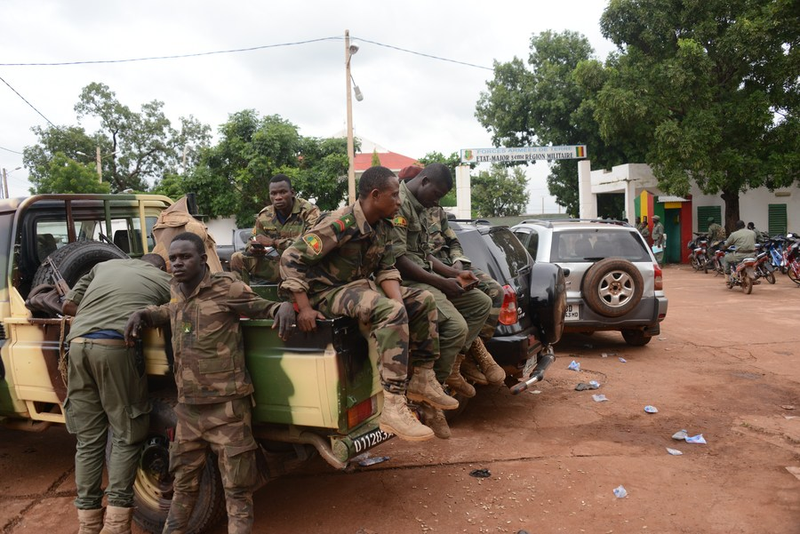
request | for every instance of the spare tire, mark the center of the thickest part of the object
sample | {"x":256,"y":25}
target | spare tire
{"x":76,"y":259}
{"x":612,"y":287}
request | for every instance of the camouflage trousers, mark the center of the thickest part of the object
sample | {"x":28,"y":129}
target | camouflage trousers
{"x":105,"y":390}
{"x":395,"y":328}
{"x":248,"y":266}
{"x":460,"y":321}
{"x":225,"y":428}
{"x":494,"y":291}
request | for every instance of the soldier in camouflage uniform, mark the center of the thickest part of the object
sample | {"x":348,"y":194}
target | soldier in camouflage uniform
{"x":463,"y":313}
{"x":716,"y":233}
{"x":277,"y":226}
{"x":214,"y":387}
{"x":345,"y":266}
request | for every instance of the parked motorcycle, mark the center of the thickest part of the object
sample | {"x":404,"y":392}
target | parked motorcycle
{"x":698,"y":255}
{"x":792,"y":257}
{"x":775,"y":247}
{"x":714,"y":262}
{"x":763,"y":267}
{"x":743,"y":274}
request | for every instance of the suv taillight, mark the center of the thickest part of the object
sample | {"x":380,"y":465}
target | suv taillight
{"x":508,"y":313}
{"x":659,"y":277}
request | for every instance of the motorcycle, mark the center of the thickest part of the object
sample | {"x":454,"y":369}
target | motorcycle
{"x":775,"y":247}
{"x":792,"y":256}
{"x":698,"y":255}
{"x":714,"y":262}
{"x":743,"y":273}
{"x":763,"y":267}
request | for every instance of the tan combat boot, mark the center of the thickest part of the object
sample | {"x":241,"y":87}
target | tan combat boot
{"x":434,"y":419}
{"x":118,"y":520}
{"x":471,"y":371}
{"x":90,"y":521}
{"x":456,"y":382}
{"x":494,"y":373}
{"x":424,"y":387}
{"x":397,"y":419}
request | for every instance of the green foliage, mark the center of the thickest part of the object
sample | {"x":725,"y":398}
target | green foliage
{"x":452,"y":161}
{"x":376,"y":160}
{"x":65,"y":175}
{"x":495,"y":193}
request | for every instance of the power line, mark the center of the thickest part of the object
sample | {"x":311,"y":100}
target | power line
{"x":9,"y":150}
{"x":438,"y":58}
{"x":31,"y":105}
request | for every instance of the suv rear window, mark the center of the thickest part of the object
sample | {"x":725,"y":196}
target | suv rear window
{"x":512,"y":250}
{"x":595,"y":244}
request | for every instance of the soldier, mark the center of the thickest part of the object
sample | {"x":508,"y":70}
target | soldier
{"x":462,"y":312}
{"x":745,"y":242}
{"x":644,"y":229}
{"x":478,"y":364}
{"x":716,"y":232}
{"x":277,"y":225}
{"x":214,"y":407}
{"x":345,"y":266}
{"x":107,"y":386}
{"x":658,"y":238}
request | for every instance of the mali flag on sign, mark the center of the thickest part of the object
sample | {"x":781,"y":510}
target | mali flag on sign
{"x":580,"y":151}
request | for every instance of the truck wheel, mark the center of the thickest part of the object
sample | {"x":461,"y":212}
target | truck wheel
{"x":636,"y":338}
{"x":76,"y":259}
{"x":152,"y":487}
{"x":612,"y":287}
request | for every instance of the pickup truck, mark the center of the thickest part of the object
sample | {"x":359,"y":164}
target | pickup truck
{"x":314,"y":394}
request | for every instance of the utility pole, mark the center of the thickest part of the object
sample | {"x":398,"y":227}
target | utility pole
{"x":351,"y":169}
{"x":99,"y":166}
{"x":5,"y":183}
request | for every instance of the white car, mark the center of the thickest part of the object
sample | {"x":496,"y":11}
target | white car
{"x":613,"y":279}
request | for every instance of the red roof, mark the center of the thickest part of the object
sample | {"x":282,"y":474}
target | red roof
{"x":391,"y":160}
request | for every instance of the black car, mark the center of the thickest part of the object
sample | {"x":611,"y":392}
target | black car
{"x":532,"y":318}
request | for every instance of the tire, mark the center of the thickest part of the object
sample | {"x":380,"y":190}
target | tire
{"x":695,"y":263}
{"x":794,"y":274}
{"x":770,"y":276}
{"x":75,"y":260}
{"x":706,"y":266}
{"x":636,"y":338}
{"x":747,"y":284}
{"x":612,"y":287}
{"x":152,"y":488}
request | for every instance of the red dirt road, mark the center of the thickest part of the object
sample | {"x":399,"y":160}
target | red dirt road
{"x":726,"y":365}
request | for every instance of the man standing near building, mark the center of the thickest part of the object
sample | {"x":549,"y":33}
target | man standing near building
{"x":658,"y":238}
{"x":107,"y":385}
{"x":214,"y":387}
{"x":345,"y":266}
{"x":745,"y":242}
{"x":462,"y":311}
{"x":277,"y":226}
{"x":644,"y":229}
{"x":716,"y":232}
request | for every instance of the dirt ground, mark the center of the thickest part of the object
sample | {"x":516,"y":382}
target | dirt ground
{"x":725,"y":366}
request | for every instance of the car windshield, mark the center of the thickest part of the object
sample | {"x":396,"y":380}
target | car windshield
{"x":593,"y":244}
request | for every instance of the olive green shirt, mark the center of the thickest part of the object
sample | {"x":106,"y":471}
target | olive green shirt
{"x":410,"y":236}
{"x":744,"y":240}
{"x":108,"y":294}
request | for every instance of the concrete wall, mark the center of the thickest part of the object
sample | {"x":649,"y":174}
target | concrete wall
{"x":753,"y":205}
{"x":222,"y":230}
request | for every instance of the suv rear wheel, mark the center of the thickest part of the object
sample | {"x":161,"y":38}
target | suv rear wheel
{"x":636,"y":338}
{"x":613,"y":287}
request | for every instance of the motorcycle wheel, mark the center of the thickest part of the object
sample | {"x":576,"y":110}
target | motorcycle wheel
{"x":705,"y":267}
{"x":770,"y":278}
{"x":729,"y":282}
{"x":747,"y":285}
{"x":794,"y":274}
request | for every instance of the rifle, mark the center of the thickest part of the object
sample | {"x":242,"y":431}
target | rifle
{"x":61,"y":285}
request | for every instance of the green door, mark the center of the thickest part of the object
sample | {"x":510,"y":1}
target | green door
{"x":672,"y":227}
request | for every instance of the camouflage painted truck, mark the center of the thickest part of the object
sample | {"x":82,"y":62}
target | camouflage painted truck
{"x":314,"y":394}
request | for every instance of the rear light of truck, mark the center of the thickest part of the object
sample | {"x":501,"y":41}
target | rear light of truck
{"x":659,"y":277}
{"x":361,"y":412}
{"x":508,"y":313}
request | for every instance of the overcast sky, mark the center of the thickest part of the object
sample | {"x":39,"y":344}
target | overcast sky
{"x":412,"y":104}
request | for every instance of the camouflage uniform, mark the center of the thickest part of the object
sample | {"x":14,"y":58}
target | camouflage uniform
{"x":446,"y":248}
{"x":643,"y":229}
{"x":334,"y":264}
{"x":214,"y":394}
{"x":715,"y":233}
{"x":460,"y":319}
{"x":107,"y":386}
{"x":304,"y":215}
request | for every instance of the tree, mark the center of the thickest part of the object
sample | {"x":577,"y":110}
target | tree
{"x":376,"y":160}
{"x":65,"y":175}
{"x":550,"y":102}
{"x":496,"y":194}
{"x":69,"y":141}
{"x":452,"y":161}
{"x":710,"y":89}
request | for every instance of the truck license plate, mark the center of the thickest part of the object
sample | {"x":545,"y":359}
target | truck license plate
{"x":573,"y":312}
{"x":370,"y":439}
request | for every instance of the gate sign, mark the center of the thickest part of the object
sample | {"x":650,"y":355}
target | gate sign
{"x":525,"y":153}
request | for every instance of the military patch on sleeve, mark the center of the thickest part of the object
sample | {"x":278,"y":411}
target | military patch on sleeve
{"x":343,"y":223}
{"x":313,"y":242}
{"x":400,"y":221}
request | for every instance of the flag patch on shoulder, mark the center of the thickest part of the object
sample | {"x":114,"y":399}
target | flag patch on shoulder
{"x":313,"y":242}
{"x":400,"y":221}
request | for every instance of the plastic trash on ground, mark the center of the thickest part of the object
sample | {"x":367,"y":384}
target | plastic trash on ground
{"x":620,"y":492}
{"x":574,"y":366}
{"x":582,"y":386}
{"x":696,"y":439}
{"x":599,"y":398}
{"x":480,"y":473}
{"x":680,"y":435}
{"x":650,"y":409}
{"x":623,"y":360}
{"x":674,"y":452}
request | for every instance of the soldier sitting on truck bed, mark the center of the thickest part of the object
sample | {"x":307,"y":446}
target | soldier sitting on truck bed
{"x":331,"y":268}
{"x":277,"y":225}
{"x":214,"y":387}
{"x":107,"y":386}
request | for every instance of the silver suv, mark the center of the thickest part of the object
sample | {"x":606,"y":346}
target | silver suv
{"x":613,"y":279}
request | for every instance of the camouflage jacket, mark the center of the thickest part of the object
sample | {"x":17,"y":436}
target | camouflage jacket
{"x":304,"y":215}
{"x":207,"y":339}
{"x":341,"y":248}
{"x":442,"y":240}
{"x":411,"y":237}
{"x":715,"y":232}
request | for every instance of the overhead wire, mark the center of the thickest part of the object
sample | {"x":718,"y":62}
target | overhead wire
{"x":26,"y":101}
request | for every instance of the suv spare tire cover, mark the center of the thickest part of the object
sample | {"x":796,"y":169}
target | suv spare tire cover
{"x":549,"y":299}
{"x":76,"y":259}
{"x":612,"y":287}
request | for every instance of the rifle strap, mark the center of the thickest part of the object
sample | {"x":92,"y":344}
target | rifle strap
{"x":63,"y":353}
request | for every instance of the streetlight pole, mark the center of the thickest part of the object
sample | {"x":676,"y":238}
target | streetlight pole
{"x":351,"y":169}
{"x":99,"y":166}
{"x":5,"y":180}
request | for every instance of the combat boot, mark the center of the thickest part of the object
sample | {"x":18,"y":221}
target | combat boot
{"x":90,"y":521}
{"x":471,"y":371}
{"x":493,"y":372}
{"x":397,"y":419}
{"x":434,"y":419}
{"x":456,"y":382}
{"x":424,"y":387}
{"x":118,"y":520}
